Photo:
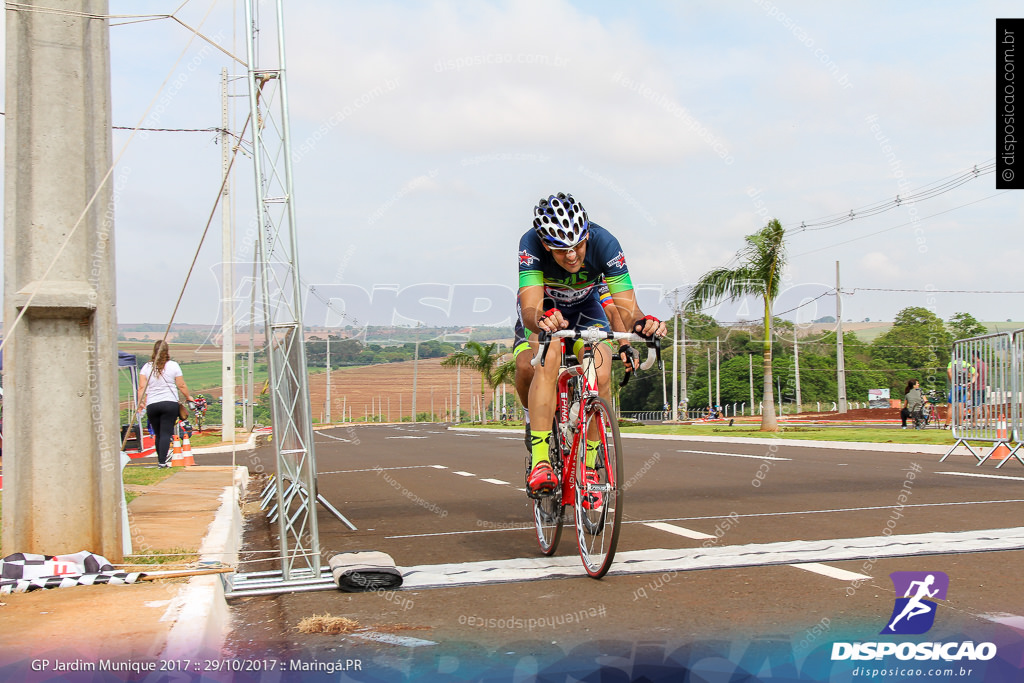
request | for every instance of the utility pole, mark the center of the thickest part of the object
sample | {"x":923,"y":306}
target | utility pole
{"x":750,"y":374}
{"x":328,"y":419}
{"x":675,"y":356}
{"x":718,"y":373}
{"x":458,"y":394}
{"x":710,"y":403}
{"x":63,"y":490}
{"x":682,"y":363}
{"x":250,"y":395}
{"x":796,"y":367}
{"x":227,"y":340}
{"x":415,"y":373}
{"x":840,"y":361}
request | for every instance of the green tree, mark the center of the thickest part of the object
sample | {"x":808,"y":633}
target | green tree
{"x":919,"y":342}
{"x":963,"y":325}
{"x":758,"y":274}
{"x":477,"y":357}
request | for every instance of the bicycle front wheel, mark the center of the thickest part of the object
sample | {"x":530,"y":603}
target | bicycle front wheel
{"x":547,"y":508}
{"x":599,"y":491}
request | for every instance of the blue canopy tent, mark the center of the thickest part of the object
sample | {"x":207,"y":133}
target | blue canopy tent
{"x":126,"y":362}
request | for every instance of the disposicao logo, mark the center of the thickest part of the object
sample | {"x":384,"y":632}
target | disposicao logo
{"x":914,"y":613}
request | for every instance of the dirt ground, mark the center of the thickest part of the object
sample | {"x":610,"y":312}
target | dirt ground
{"x":872,"y":414}
{"x":391,"y":383}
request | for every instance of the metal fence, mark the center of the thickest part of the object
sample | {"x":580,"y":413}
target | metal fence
{"x":985,"y":378}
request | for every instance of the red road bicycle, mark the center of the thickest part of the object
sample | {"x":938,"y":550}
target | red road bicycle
{"x":579,"y":412}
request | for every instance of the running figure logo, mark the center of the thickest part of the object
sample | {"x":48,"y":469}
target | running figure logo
{"x":914,"y":613}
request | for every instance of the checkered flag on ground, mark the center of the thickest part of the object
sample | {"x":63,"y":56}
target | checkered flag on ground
{"x":23,"y":572}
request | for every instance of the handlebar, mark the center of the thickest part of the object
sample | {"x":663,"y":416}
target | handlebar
{"x":594,"y":335}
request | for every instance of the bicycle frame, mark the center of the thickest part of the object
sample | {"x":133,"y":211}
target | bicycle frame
{"x":593,"y":491}
{"x":586,"y":387}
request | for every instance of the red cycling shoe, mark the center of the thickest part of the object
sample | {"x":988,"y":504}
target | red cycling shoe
{"x":592,"y":500}
{"x":542,"y":479}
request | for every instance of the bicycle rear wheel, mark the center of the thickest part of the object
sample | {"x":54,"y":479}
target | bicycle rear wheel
{"x":599,"y":504}
{"x":547,"y":509}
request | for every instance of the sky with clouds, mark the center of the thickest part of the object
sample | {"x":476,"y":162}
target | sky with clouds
{"x":424,"y":132}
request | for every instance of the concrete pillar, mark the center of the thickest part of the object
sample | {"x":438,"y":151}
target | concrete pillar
{"x":61,"y":427}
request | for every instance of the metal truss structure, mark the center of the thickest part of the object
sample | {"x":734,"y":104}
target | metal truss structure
{"x":281,"y":293}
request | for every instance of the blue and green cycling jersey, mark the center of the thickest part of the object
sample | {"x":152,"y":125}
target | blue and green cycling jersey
{"x":603,"y":257}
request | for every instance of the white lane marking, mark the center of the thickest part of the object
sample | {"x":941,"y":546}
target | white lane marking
{"x":833,"y":572}
{"x":720,"y":557}
{"x":405,"y":437}
{"x":983,"y":476}
{"x":470,"y":435}
{"x":679,"y":531}
{"x":464,"y":474}
{"x":736,"y":455}
{"x":391,"y":639}
{"x":336,"y":438}
{"x":818,"y":512}
{"x":756,"y":514}
{"x":380,"y":469}
{"x":1006,"y":619}
{"x":496,"y":481}
{"x":510,"y":438}
{"x":440,"y":467}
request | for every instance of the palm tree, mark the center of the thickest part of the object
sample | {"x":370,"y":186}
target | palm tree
{"x":760,"y":263}
{"x":480,"y":358}
{"x":505,"y":373}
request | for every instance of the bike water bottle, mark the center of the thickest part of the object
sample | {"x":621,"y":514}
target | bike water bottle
{"x":574,"y":414}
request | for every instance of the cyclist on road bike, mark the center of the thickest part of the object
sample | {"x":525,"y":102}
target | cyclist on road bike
{"x":523,"y":355}
{"x":561,"y":261}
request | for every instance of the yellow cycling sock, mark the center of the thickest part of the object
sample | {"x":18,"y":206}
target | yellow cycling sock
{"x":539,"y":446}
{"x":591,"y":457}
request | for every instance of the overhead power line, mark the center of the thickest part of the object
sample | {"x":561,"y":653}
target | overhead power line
{"x":929,"y":191}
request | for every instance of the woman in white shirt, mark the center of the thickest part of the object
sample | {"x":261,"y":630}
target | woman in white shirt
{"x":159,"y":382}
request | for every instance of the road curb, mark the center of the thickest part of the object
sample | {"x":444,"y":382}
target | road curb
{"x":927,"y":449}
{"x":199,"y":610}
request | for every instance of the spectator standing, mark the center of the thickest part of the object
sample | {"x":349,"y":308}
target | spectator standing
{"x":962,"y":377}
{"x":905,"y":410}
{"x":981,"y":379}
{"x":159,"y":382}
{"x":915,"y":402}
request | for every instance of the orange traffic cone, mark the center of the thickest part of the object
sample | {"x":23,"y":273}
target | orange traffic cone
{"x":1000,"y":451}
{"x":186,"y":451}
{"x":176,"y":459}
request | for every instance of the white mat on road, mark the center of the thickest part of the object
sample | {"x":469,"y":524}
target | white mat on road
{"x":723,"y":557}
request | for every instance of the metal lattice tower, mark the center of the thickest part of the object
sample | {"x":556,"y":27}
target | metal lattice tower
{"x":282,"y":302}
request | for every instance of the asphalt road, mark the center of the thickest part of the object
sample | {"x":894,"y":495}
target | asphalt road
{"x":717,"y":555}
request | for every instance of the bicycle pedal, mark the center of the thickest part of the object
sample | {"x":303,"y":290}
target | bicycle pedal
{"x":541,"y":494}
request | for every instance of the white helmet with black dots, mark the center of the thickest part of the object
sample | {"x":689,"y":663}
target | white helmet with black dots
{"x":560,"y":220}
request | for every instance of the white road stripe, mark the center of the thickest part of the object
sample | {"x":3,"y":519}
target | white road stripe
{"x":405,"y":437}
{"x":833,"y":572}
{"x":830,"y":510}
{"x":464,"y":474}
{"x":736,"y":455}
{"x":1006,"y":619}
{"x":754,"y":514}
{"x":720,"y":557}
{"x":496,"y":481}
{"x":336,"y":438}
{"x":983,"y":476}
{"x":679,"y":531}
{"x":392,"y":639}
{"x":440,"y":467}
{"x":380,"y":469}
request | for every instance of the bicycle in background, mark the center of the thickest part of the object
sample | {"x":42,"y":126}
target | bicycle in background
{"x":580,"y":413}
